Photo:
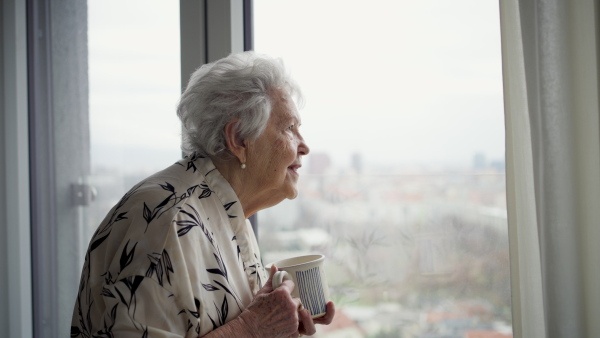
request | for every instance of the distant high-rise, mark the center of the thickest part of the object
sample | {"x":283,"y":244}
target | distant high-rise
{"x":479,"y":161}
{"x":357,"y":163}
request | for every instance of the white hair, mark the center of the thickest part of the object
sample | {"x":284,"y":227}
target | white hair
{"x":238,"y":86}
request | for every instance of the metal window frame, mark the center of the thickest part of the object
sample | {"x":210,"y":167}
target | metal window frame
{"x":42,"y":175}
{"x":59,"y":156}
{"x":15,"y":261}
{"x":210,"y":30}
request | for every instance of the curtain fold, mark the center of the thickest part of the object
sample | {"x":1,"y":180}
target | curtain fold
{"x":550,"y":69}
{"x":526,"y":279}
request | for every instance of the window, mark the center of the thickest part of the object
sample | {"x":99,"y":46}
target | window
{"x":404,"y":188}
{"x":104,"y":83}
{"x":134,"y":89}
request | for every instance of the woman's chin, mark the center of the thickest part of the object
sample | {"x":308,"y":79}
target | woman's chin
{"x":291,"y":193}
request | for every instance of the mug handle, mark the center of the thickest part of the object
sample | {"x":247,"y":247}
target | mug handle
{"x":279,"y":277}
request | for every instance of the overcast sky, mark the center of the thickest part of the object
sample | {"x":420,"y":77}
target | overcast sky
{"x":396,"y":81}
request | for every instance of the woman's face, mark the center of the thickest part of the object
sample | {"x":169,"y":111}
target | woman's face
{"x":275,"y":156}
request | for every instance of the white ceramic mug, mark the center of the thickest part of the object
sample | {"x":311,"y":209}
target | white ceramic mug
{"x":309,"y":276}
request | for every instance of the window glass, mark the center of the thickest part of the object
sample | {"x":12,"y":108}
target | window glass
{"x":404,"y":188}
{"x":134,"y":67}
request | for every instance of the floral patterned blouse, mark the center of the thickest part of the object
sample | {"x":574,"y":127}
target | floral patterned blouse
{"x":174,"y":258}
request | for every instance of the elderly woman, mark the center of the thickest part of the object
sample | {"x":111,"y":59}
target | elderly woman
{"x":177,"y":257}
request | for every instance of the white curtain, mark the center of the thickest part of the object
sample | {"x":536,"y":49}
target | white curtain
{"x":550,"y":63}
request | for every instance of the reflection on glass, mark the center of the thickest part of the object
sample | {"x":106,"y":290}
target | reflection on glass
{"x":404,"y":188}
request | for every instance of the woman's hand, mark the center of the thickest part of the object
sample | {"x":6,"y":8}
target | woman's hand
{"x":274,"y":313}
{"x":307,"y":324}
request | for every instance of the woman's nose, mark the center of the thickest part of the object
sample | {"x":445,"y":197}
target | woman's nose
{"x":303,"y":148}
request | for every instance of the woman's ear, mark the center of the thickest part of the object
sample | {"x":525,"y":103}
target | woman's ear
{"x":233,"y":140}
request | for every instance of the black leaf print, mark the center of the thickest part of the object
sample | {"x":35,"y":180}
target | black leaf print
{"x":154,"y":259}
{"x":121,"y":297}
{"x":145,"y":334}
{"x":107,"y":293}
{"x":221,"y":265}
{"x":147,"y":213}
{"x":259,"y":265}
{"x":133,"y":283}
{"x":238,"y":248}
{"x":121,"y":216}
{"x":119,"y":205}
{"x":206,"y":192}
{"x":108,"y":278}
{"x":210,"y":287}
{"x":160,"y":273}
{"x":224,"y":310}
{"x":88,"y":317}
{"x":192,"y":166}
{"x":189,"y":326}
{"x":215,"y":326}
{"x":228,"y":205}
{"x":216,"y":271}
{"x":113,"y":314}
{"x":161,"y":265}
{"x":187,"y":226}
{"x":168,"y":187}
{"x":198,"y":326}
{"x":196,"y":156}
{"x":191,"y":190}
{"x":126,"y":257}
{"x":99,"y":241}
{"x":222,"y":270}
{"x":75,"y":332}
{"x":168,"y":266}
{"x":195,"y":221}
{"x":195,"y":217}
{"x":161,"y":205}
{"x":197,"y":312}
{"x":107,"y":331}
{"x":150,"y":215}
{"x":229,"y":292}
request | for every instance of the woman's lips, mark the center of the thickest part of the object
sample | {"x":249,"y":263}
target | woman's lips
{"x":294,"y":168}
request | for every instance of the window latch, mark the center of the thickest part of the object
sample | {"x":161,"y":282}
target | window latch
{"x":83,"y":194}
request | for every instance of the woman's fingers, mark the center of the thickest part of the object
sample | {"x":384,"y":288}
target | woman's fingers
{"x":288,"y":285}
{"x":268,"y":286}
{"x":307,"y":326}
{"x":275,"y":316}
{"x":328,"y":317}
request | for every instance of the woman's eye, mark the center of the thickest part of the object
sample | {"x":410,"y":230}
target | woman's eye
{"x":291,"y":127}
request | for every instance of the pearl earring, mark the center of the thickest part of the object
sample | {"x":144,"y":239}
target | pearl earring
{"x":243,"y":166}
